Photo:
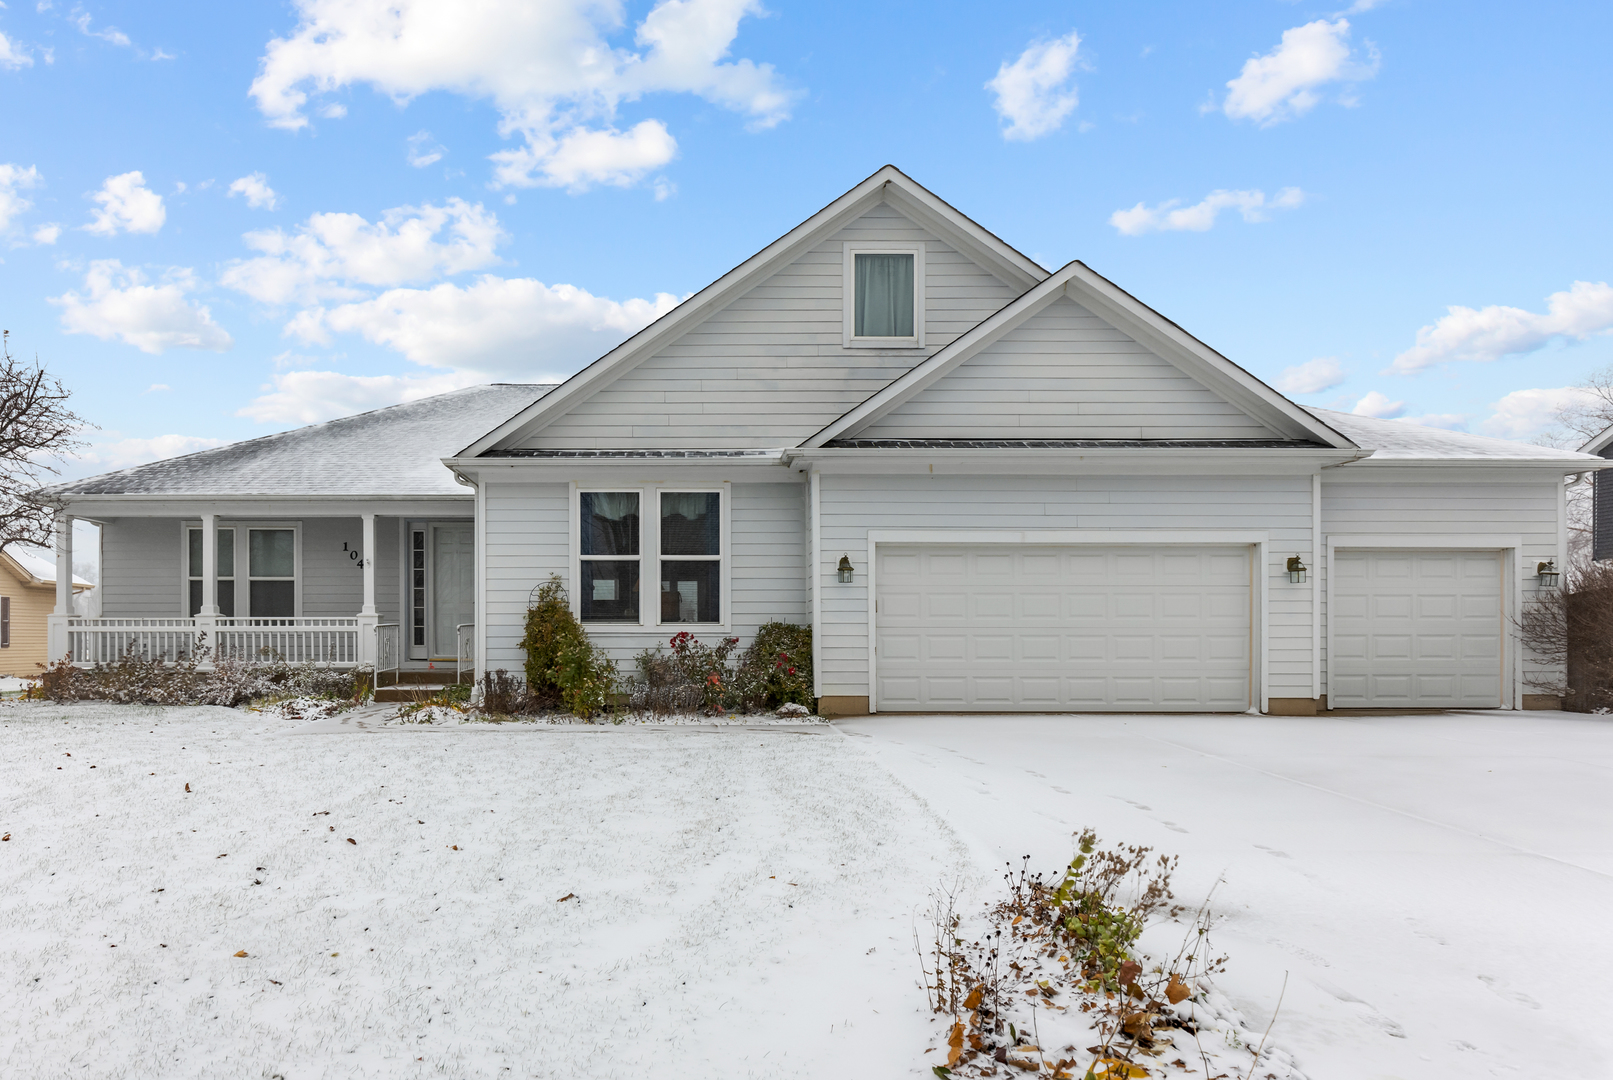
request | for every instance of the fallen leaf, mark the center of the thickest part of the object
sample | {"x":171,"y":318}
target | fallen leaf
{"x":223,"y":856}
{"x":1115,"y":1069}
{"x":5,"y":837}
{"x":242,"y":953}
{"x":955,"y":1044}
{"x":187,"y":787}
{"x":454,"y":848}
{"x":1129,"y":972}
{"x":1176,"y":991}
{"x":568,"y":896}
{"x":976,"y":995}
{"x":350,"y":840}
{"x":336,"y":954}
{"x":276,"y":982}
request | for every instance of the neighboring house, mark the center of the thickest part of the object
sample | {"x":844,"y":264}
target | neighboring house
{"x":27,"y":597}
{"x":987,"y":487}
{"x":1601,"y":498}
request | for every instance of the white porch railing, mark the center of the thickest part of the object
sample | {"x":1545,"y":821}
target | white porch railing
{"x":388,"y":650}
{"x":465,"y":635}
{"x":321,"y":640}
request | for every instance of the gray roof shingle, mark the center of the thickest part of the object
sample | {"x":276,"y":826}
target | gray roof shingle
{"x":396,"y":451}
{"x":1398,"y":440}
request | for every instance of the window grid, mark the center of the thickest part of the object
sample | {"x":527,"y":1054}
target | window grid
{"x":225,"y":589}
{"x":417,"y":586}
{"x":690,"y":566}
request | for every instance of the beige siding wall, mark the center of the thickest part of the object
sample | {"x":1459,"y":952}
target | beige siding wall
{"x":1066,"y":374}
{"x":1450,"y":502}
{"x":528,"y":538}
{"x":851,"y":506}
{"x":29,"y":606}
{"x":770,"y":369}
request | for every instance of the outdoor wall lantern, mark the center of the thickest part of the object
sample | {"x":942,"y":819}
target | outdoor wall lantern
{"x":1548,"y":574}
{"x":1296,"y":570}
{"x":845,"y":569}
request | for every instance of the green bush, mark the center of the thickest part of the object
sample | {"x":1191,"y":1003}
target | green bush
{"x":781,"y":658}
{"x":560,"y":660}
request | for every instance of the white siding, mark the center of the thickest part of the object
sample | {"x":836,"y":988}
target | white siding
{"x":1066,"y":374}
{"x":528,"y":538}
{"x":140,"y":568}
{"x":851,"y":506}
{"x":770,"y":369}
{"x":1446,"y":502}
{"x":332,"y":581}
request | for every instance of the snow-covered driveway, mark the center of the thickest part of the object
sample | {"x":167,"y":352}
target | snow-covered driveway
{"x":1439,"y":888}
{"x":742,"y":901}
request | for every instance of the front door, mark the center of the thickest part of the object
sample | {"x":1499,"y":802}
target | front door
{"x":453,"y":585}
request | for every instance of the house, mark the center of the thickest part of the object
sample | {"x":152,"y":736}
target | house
{"x":987,"y":486}
{"x":27,"y":596}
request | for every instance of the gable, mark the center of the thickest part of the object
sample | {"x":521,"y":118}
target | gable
{"x":1065,"y":373}
{"x":769,"y":367}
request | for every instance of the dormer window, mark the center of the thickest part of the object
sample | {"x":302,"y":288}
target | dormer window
{"x":884,"y":295}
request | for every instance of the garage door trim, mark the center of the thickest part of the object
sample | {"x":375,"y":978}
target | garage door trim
{"x":1258,"y":540}
{"x":1511,"y":548}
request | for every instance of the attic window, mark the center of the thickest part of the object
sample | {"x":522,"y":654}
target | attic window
{"x":884,"y":295}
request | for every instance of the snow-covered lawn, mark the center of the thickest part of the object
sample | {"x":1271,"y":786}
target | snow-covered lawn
{"x":741,"y":903}
{"x":1439,"y":889}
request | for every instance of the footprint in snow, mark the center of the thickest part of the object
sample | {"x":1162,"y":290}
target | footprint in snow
{"x":1171,"y":825}
{"x":1273,"y":851}
{"x":1517,"y":996}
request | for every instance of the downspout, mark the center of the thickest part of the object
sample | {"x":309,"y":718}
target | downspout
{"x":817,"y":584}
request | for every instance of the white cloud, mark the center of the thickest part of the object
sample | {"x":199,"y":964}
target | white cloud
{"x":111,"y":34}
{"x":1034,"y":93}
{"x":153,"y":318}
{"x":127,"y":205}
{"x":1311,"y":377}
{"x":255,"y":188}
{"x":1253,"y":205}
{"x":423,"y":150}
{"x":1378,"y":406}
{"x":47,"y":234}
{"x":499,"y":326}
{"x":156,"y":386}
{"x":549,"y":69}
{"x":12,"y":56}
{"x":125,"y":453}
{"x":1523,"y":414}
{"x":1584,"y":310}
{"x":15,"y":178}
{"x":583,"y":157}
{"x":330,"y":253}
{"x":1285,"y":83}
{"x":309,"y":397}
{"x":334,"y":110}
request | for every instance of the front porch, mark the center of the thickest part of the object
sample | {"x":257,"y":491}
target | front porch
{"x":389,"y":587}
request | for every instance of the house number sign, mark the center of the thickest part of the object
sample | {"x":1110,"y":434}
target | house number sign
{"x":353,"y":555}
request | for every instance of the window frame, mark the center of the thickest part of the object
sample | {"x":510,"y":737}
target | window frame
{"x":848,"y":292}
{"x":185,"y":574}
{"x":243,"y":551}
{"x":650,"y":557}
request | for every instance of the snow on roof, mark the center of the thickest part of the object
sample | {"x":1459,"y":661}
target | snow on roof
{"x":392,"y":451}
{"x":39,"y":566}
{"x":1398,"y":440}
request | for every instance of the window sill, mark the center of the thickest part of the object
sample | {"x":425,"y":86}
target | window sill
{"x":883,"y":343}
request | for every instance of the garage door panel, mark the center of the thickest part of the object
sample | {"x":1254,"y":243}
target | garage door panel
{"x":1416,"y":629}
{"x":1046,"y":628}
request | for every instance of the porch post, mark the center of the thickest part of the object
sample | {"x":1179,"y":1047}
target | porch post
{"x":368,"y":617}
{"x":209,"y":565}
{"x":64,"y":564}
{"x":369,"y":565}
{"x":56,"y":632}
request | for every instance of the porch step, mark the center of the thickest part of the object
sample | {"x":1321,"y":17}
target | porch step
{"x":409,"y":692}
{"x":433,"y":677}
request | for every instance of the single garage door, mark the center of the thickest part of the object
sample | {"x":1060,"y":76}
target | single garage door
{"x":1416,"y":629}
{"x":990,"y":628}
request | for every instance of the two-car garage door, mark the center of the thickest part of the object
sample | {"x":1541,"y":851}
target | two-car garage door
{"x":1044,"y":629}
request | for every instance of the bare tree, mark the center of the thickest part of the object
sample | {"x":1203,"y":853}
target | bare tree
{"x":37,"y":429}
{"x":1574,"y":424}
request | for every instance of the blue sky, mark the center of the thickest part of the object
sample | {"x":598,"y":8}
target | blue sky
{"x":1399,"y":208}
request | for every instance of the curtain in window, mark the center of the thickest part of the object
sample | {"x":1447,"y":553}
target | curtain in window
{"x":884,"y":296}
{"x":690,"y":521}
{"x":609,"y":522}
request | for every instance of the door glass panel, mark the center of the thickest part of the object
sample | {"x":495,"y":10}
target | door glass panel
{"x":453,"y":581}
